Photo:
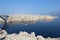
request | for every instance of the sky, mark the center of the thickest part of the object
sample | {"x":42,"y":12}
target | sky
{"x":29,"y":6}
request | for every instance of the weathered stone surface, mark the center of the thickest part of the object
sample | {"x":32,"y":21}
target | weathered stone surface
{"x":3,"y":33}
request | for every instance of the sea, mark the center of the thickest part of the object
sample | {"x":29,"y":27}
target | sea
{"x":46,"y":29}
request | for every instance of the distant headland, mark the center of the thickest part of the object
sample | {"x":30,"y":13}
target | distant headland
{"x":26,"y":18}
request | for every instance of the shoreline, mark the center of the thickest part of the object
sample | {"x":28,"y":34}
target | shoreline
{"x":24,"y":36}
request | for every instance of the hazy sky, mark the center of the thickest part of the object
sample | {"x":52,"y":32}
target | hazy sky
{"x":29,"y":6}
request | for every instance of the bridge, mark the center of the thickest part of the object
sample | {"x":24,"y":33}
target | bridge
{"x":4,"y":17}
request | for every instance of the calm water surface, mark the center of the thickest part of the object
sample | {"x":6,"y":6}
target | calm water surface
{"x":46,"y":29}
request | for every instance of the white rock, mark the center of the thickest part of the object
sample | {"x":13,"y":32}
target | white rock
{"x":33,"y":34}
{"x":3,"y":34}
{"x":24,"y":36}
{"x":20,"y":36}
{"x":40,"y":38}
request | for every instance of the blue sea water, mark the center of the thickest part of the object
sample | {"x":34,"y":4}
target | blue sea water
{"x":46,"y":29}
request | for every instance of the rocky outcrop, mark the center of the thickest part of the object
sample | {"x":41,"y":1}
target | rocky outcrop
{"x":3,"y":34}
{"x":1,"y":20}
{"x":23,"y":36}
